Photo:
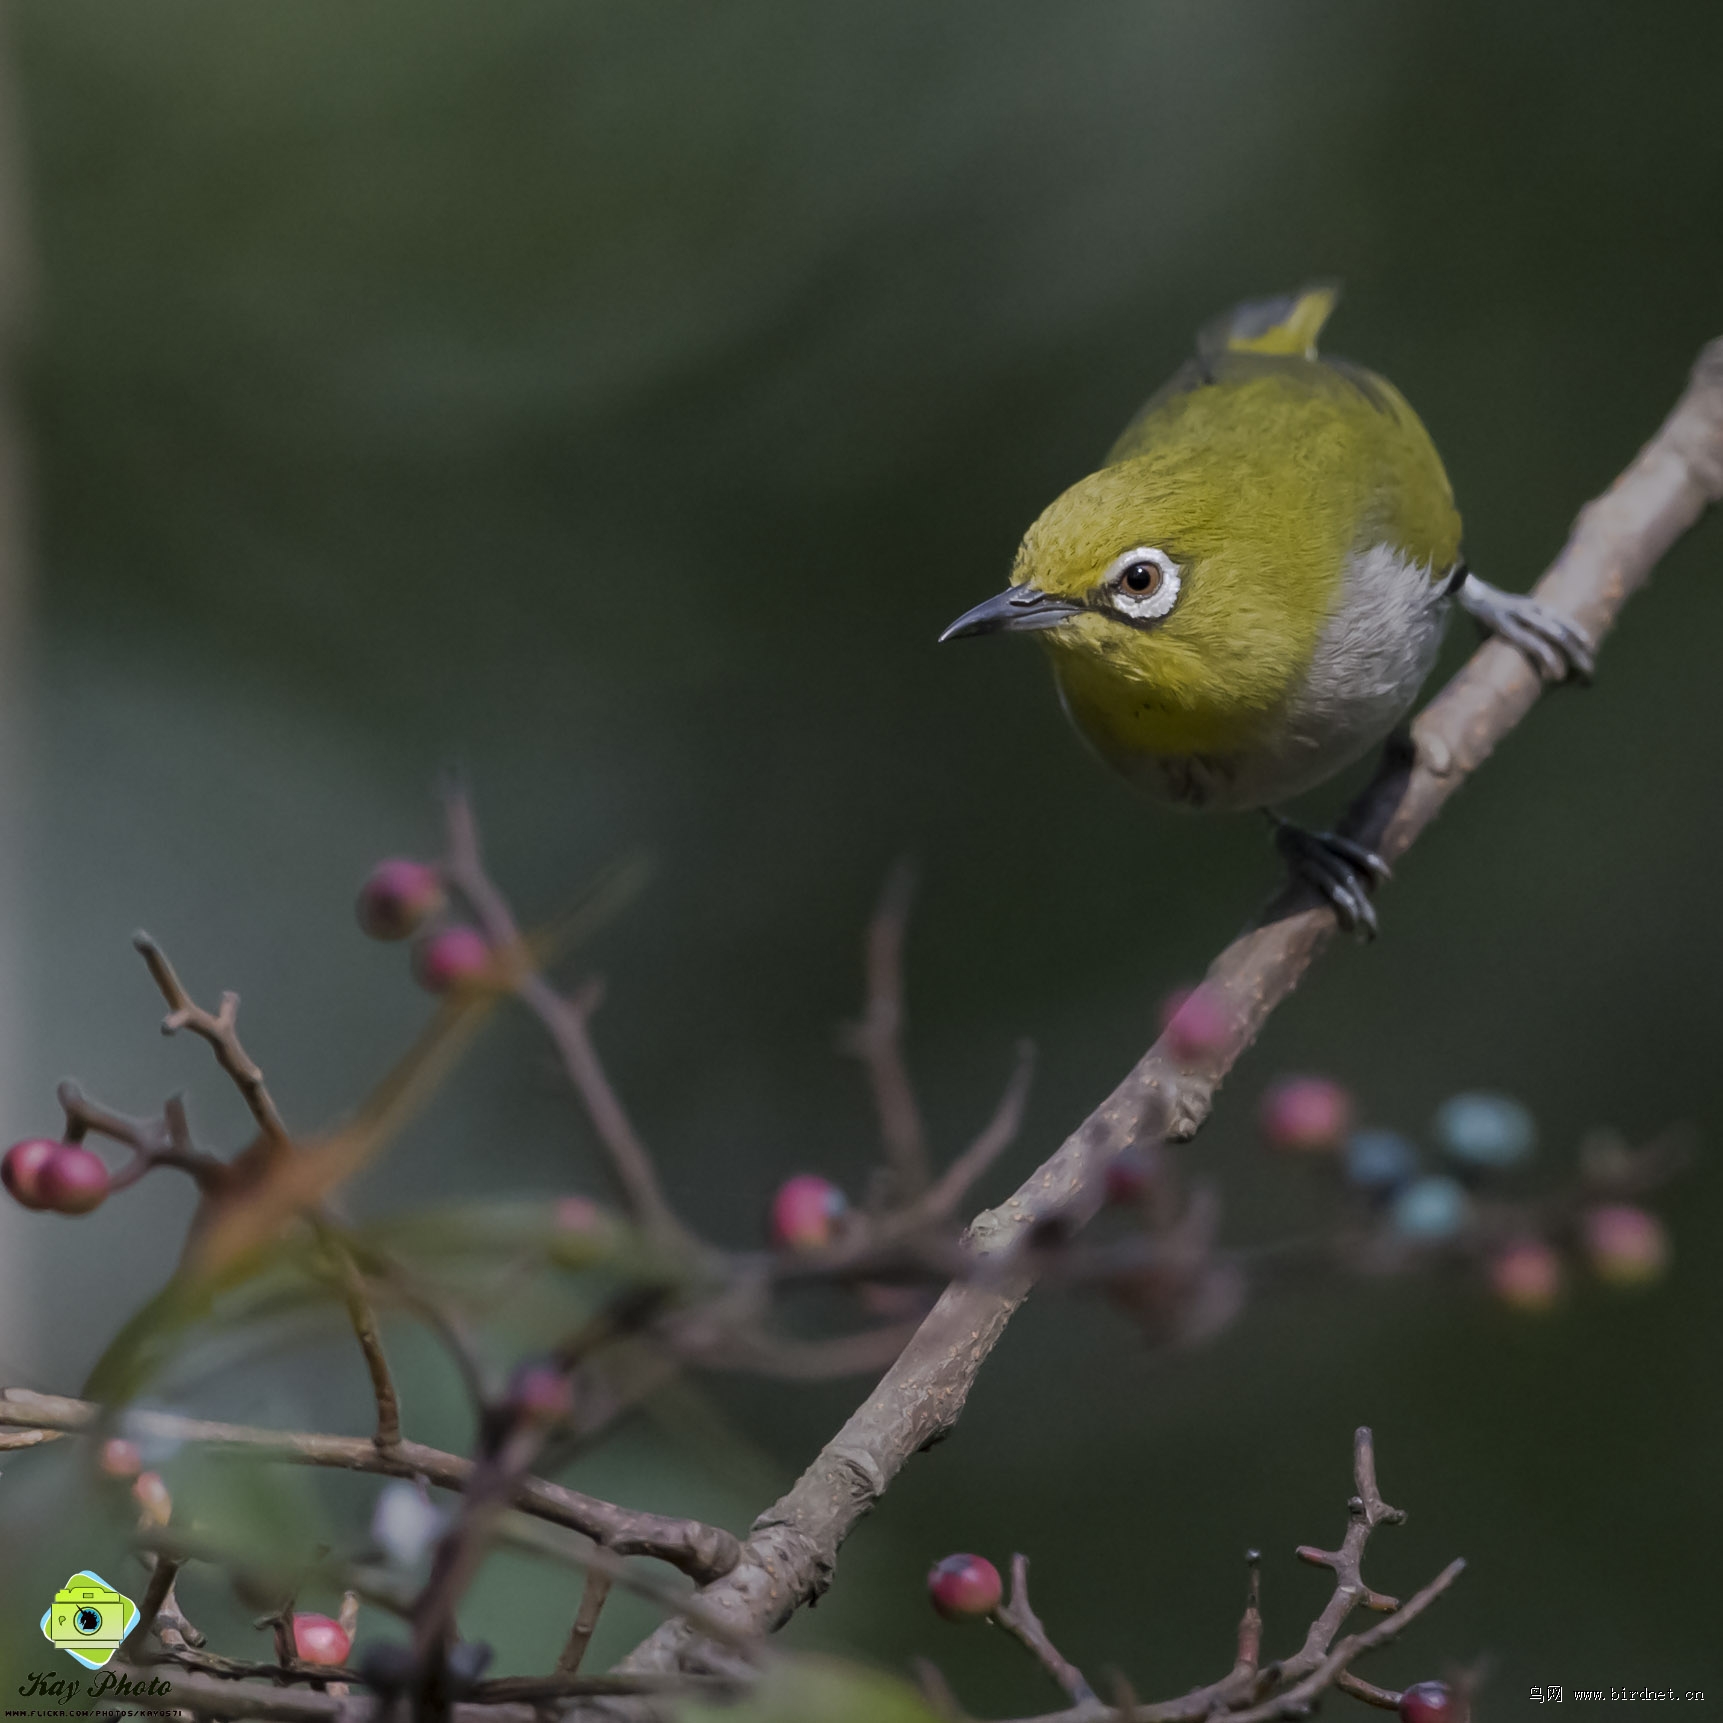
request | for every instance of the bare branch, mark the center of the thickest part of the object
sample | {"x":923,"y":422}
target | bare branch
{"x":157,"y":1593}
{"x":1019,"y":1619}
{"x":701,"y":1551}
{"x":877,"y":1041}
{"x":955,"y":1182}
{"x":565,"y":1021}
{"x":1384,"y":1698}
{"x":595,"y":1591}
{"x":1616,"y":542}
{"x":366,"y":1331}
{"x":1295,"y":1701}
{"x":220,"y":1031}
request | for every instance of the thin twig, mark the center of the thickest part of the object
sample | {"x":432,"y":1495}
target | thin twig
{"x":565,"y":1020}
{"x":954,"y":1183}
{"x":593,"y":1594}
{"x":1019,"y":1619}
{"x":156,"y":1594}
{"x":1295,"y":1701}
{"x":230,"y":1701}
{"x":366,"y":1331}
{"x":1250,"y":1693}
{"x":1616,"y":542}
{"x":158,"y":1142}
{"x":701,"y":1551}
{"x":877,"y":1041}
{"x":1383,"y":1698}
{"x":220,"y":1031}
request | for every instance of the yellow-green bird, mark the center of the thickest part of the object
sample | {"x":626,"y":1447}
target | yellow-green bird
{"x":1251,"y":590}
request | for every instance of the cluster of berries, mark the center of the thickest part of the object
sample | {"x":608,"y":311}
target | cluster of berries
{"x":403,"y":898}
{"x":1479,"y":1137}
{"x":42,"y":1173}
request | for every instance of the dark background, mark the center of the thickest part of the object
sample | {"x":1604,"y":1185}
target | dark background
{"x":618,"y":399}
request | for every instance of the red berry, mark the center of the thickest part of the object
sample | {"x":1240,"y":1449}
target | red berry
{"x":1626,"y":1245}
{"x":1306,"y":1113}
{"x":540,"y":1392}
{"x":397,"y":897}
{"x":21,"y":1169}
{"x":120,"y":1458}
{"x":73,"y":1180}
{"x":453,"y":958}
{"x":963,"y":1587}
{"x":1428,"y":1702}
{"x":805,"y":1212}
{"x":1194,"y":1023}
{"x":320,"y":1639}
{"x":1526,"y":1275}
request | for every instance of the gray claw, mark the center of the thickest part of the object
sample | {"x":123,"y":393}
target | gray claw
{"x":1557,"y":647}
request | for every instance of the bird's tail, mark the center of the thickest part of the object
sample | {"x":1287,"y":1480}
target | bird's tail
{"x":1288,"y":324}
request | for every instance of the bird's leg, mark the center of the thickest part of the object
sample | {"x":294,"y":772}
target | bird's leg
{"x":1340,"y":870}
{"x":1557,"y":648}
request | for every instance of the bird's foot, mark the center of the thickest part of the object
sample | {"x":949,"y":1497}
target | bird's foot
{"x":1343,"y":873}
{"x":1558,"y":649}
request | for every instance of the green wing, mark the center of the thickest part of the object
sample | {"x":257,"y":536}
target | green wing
{"x":1257,"y":374}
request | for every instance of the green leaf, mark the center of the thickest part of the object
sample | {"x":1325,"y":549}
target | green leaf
{"x":813,"y":1689}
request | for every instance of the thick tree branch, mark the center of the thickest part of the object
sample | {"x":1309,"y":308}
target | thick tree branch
{"x":1615,"y":543}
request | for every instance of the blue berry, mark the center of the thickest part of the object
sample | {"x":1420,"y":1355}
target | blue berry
{"x":1380,"y":1161}
{"x":1488,"y":1132}
{"x":1431,"y":1209}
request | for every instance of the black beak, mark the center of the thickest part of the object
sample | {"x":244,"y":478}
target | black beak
{"x":1019,"y":608}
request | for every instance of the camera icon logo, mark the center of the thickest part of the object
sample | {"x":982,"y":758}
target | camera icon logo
{"x":89,"y":1619}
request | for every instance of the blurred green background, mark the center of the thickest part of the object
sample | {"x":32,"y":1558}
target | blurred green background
{"x":618,"y":399}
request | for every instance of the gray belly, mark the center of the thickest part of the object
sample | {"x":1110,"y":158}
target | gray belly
{"x":1370,"y":661}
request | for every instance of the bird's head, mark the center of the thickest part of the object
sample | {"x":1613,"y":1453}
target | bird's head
{"x":1191,"y":602}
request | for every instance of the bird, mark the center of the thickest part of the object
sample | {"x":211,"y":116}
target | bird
{"x":1248,"y":593}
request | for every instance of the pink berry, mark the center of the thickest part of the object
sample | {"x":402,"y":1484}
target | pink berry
{"x":453,"y":958}
{"x":1194,"y":1023}
{"x":541,"y":1393}
{"x":21,"y":1169}
{"x":1428,"y":1702}
{"x":1526,"y":1275}
{"x":150,"y":1491}
{"x":397,"y":897}
{"x":578,"y":1215}
{"x":320,"y":1639}
{"x":120,"y":1458}
{"x":963,"y":1587}
{"x":1626,"y":1245}
{"x":73,"y":1180}
{"x":805,"y":1212}
{"x":1306,"y":1113}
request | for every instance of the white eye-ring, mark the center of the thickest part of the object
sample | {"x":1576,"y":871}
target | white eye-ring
{"x":1144,"y":583}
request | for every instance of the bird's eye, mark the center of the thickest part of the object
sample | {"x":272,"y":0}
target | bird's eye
{"x":1142,"y":584}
